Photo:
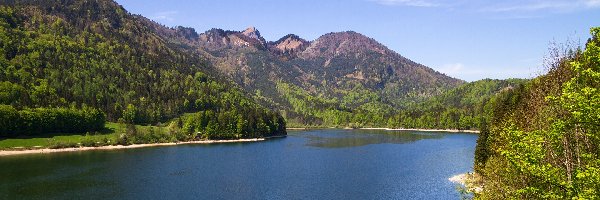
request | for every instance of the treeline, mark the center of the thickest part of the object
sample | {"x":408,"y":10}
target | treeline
{"x":231,"y":124}
{"x":38,"y":121}
{"x":541,"y":140}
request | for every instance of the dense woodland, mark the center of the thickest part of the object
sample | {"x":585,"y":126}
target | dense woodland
{"x":458,"y":108}
{"x":540,"y":140}
{"x":59,"y":56}
{"x":28,"y":121}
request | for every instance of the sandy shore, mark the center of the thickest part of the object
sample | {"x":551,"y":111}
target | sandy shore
{"x":296,"y":128}
{"x":425,"y":130}
{"x":43,"y":151}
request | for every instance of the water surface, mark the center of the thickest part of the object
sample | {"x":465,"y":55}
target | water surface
{"x":315,"y":164}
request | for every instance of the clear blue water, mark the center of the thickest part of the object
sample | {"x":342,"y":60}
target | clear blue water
{"x":316,"y":164}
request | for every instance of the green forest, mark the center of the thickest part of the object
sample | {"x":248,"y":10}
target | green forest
{"x":458,"y":108}
{"x":67,"y":69}
{"x":540,"y":139}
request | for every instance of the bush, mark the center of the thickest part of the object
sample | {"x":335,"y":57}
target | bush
{"x":53,"y":144}
{"x":89,"y":141}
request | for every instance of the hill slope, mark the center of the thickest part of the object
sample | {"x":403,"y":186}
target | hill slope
{"x":94,"y":53}
{"x":343,"y":72}
{"x":462,"y":107}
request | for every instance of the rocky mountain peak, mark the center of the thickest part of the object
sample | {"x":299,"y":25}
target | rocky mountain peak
{"x":187,"y":32}
{"x":289,"y":44}
{"x":344,"y":43}
{"x":252,"y":32}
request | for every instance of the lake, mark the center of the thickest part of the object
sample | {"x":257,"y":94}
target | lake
{"x":313,"y":164}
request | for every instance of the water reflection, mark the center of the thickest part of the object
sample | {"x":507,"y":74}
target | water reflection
{"x":354,"y":138}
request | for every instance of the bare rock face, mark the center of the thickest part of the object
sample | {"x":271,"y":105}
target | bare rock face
{"x":347,"y":43}
{"x":289,"y":45}
{"x":218,"y":39}
{"x":329,"y":66}
{"x":251,"y":32}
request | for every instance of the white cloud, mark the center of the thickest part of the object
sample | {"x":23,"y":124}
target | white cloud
{"x":415,"y":3}
{"x":164,"y":16}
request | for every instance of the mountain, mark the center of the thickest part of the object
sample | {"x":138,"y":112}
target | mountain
{"x":347,"y":58}
{"x":288,"y":46}
{"x":346,"y":71}
{"x":338,"y":79}
{"x":216,"y":40}
{"x":93,"y":53}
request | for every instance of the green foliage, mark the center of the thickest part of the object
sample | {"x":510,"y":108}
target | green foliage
{"x":129,"y":114}
{"x":61,"y":144}
{"x":543,"y":140}
{"x":460,"y":108}
{"x":52,"y":55}
{"x":49,"y":120}
{"x":310,"y":110}
{"x":232,"y":124}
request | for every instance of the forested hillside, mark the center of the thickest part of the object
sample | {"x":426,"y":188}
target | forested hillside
{"x":339,"y":79}
{"x":95,"y":55}
{"x":460,"y":108}
{"x":541,"y":139}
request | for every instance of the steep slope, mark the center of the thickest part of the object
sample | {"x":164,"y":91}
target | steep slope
{"x":288,"y":47}
{"x":349,"y":71}
{"x":94,"y":53}
{"x":347,"y":58}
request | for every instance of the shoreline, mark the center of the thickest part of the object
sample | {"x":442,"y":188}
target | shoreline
{"x":133,"y":146}
{"x":389,"y":129}
{"x":468,"y":181}
{"x":424,"y":130}
{"x":296,"y":129}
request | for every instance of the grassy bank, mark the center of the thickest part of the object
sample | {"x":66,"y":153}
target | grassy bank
{"x":111,"y":135}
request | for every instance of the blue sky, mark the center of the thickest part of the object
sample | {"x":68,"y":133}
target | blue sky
{"x":467,"y":39}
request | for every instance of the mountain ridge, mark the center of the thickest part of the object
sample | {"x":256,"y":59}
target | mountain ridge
{"x":329,"y":66}
{"x":338,"y":74}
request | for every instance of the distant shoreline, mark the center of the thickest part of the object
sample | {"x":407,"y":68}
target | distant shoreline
{"x":393,"y":129}
{"x":133,"y":146}
{"x":424,"y":130}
